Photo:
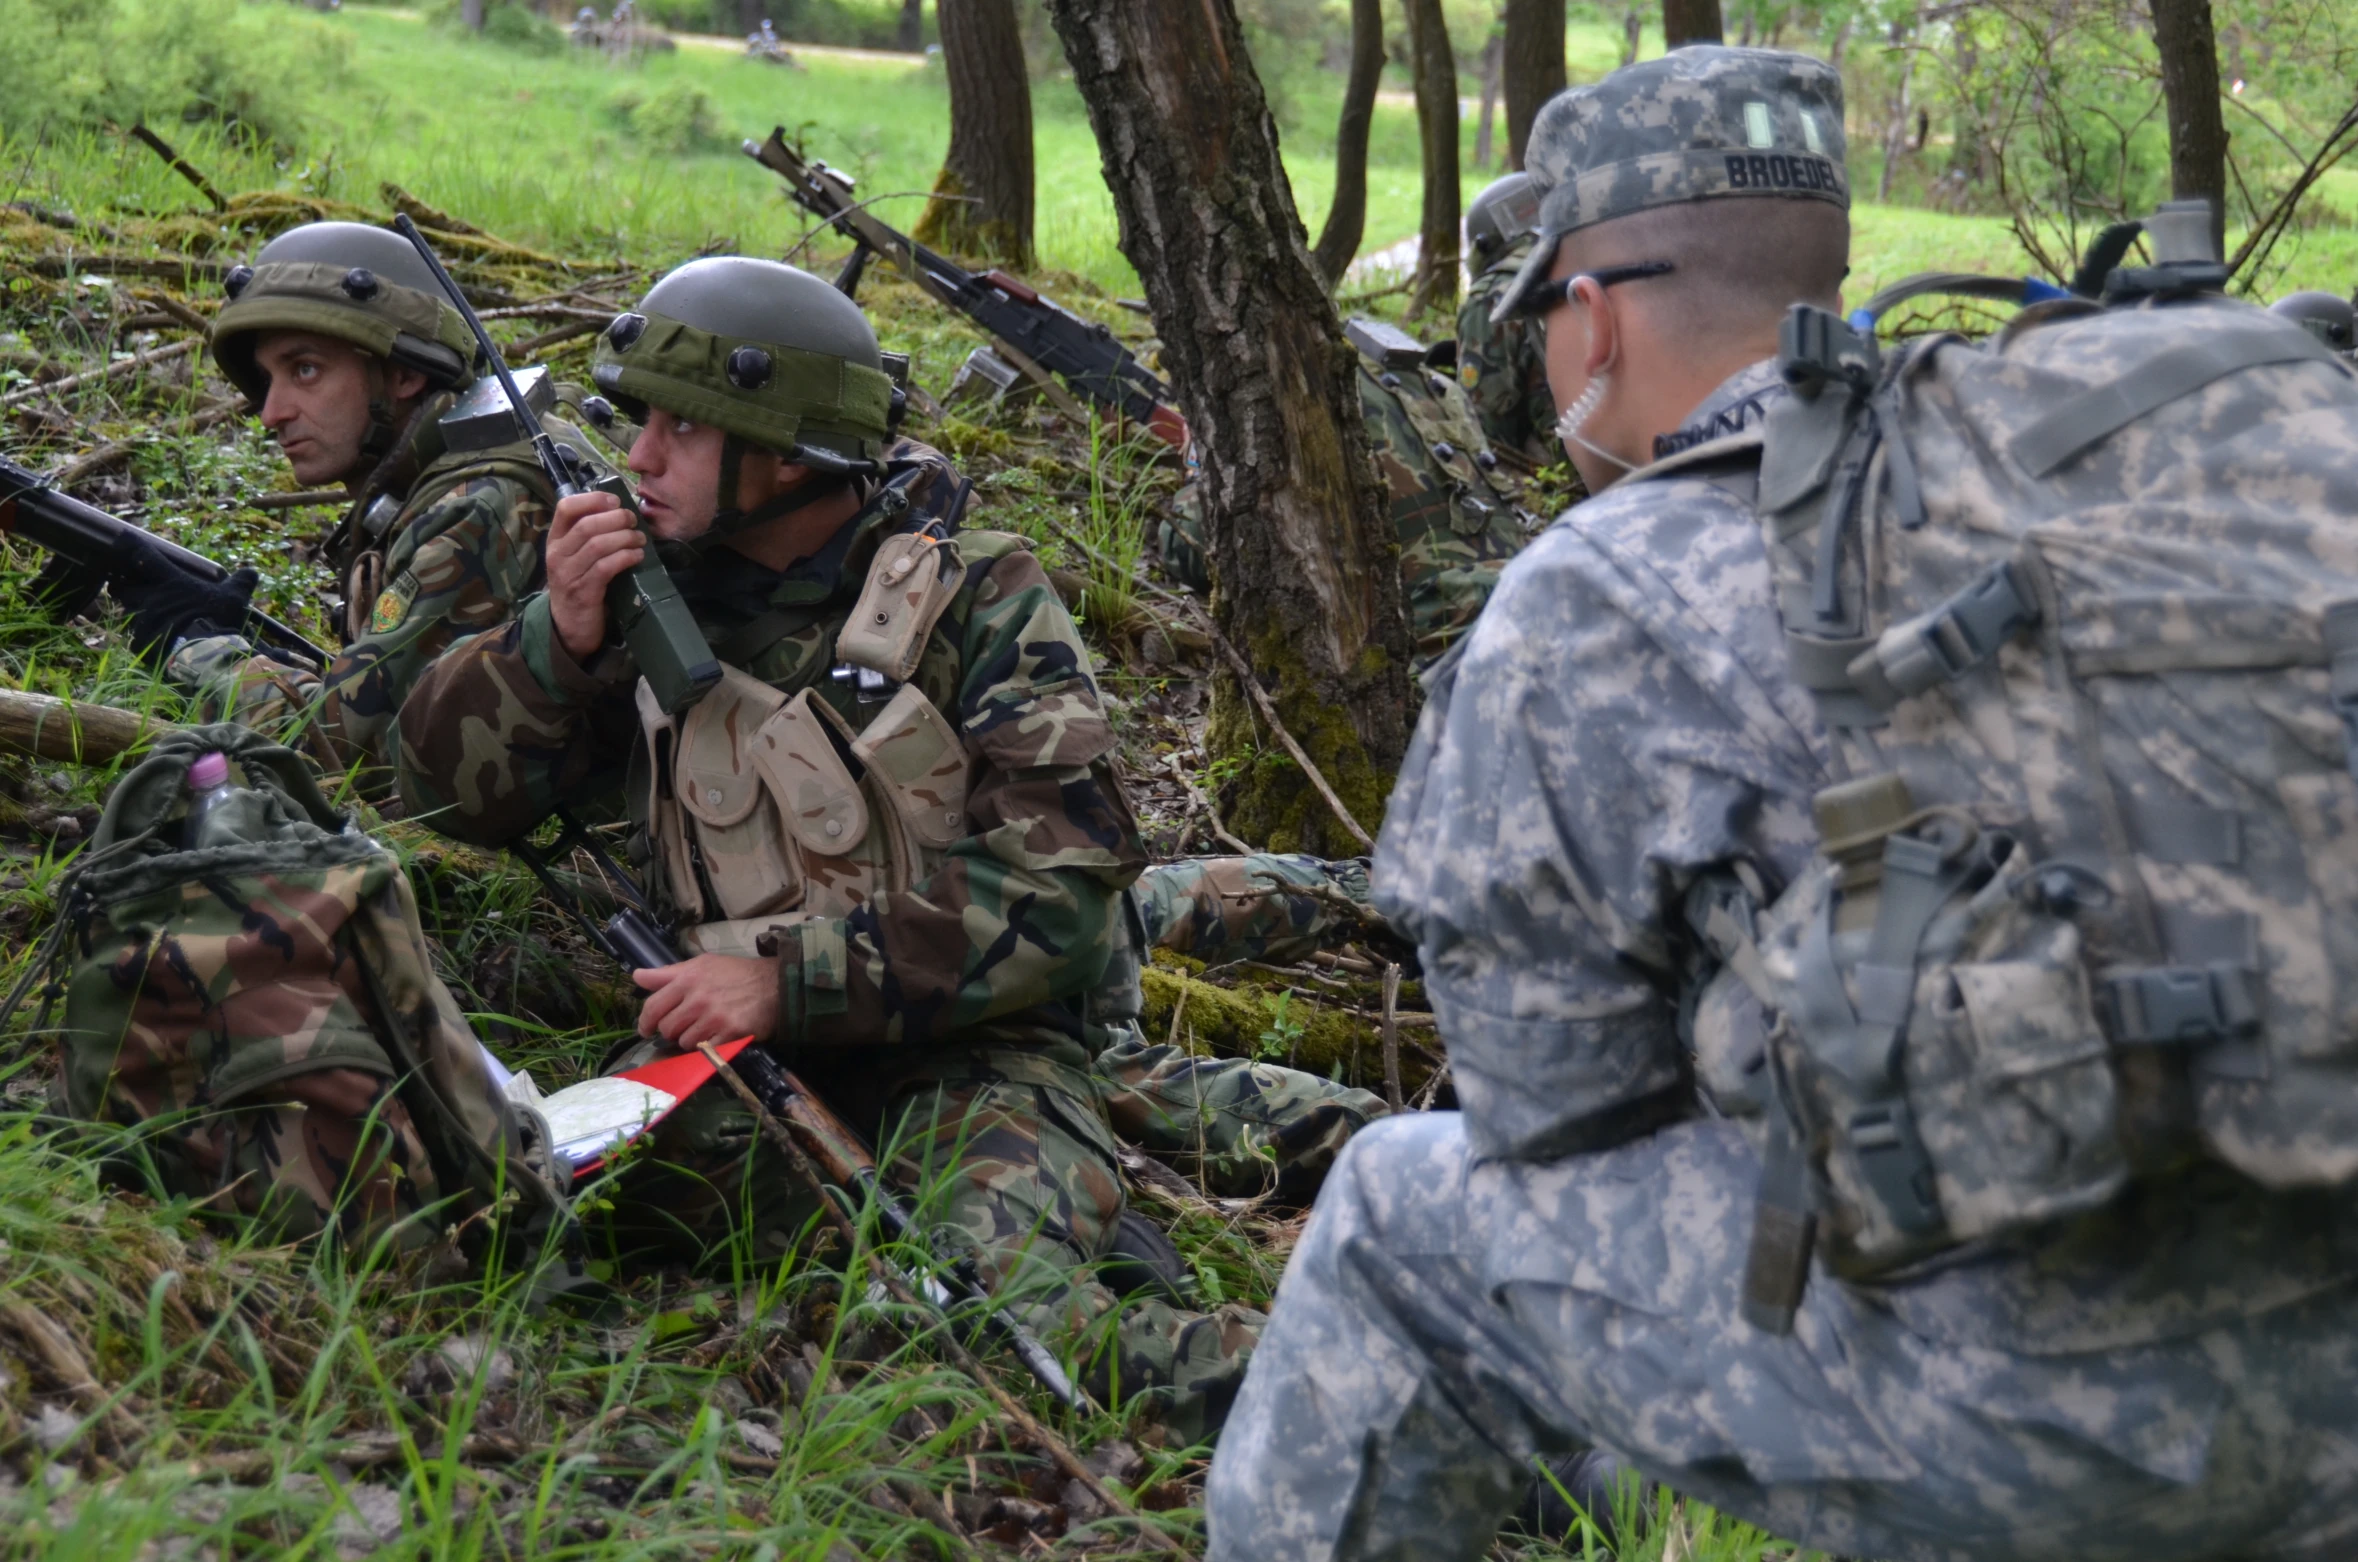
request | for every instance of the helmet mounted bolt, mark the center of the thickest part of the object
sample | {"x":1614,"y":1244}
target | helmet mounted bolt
{"x":625,"y":330}
{"x":749,"y":368}
{"x":235,"y":283}
{"x":359,"y":284}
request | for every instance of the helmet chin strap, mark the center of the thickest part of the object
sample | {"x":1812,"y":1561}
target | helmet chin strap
{"x":731,"y":520}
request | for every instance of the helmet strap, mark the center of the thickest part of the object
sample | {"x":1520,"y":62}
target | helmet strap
{"x":730,"y":520}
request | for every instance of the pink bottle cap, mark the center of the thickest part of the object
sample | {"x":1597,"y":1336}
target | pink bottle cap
{"x":209,"y":771}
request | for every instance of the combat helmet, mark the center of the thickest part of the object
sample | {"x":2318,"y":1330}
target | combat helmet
{"x":347,"y":280}
{"x":2332,"y":319}
{"x":774,"y":357}
{"x":1506,"y":209}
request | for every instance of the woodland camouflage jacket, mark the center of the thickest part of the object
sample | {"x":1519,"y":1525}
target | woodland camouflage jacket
{"x":457,"y":548}
{"x":1503,"y":369}
{"x":994,"y":949}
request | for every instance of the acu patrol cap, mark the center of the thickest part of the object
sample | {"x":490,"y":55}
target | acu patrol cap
{"x":762,"y":350}
{"x":346,"y":280}
{"x":1701,"y":122}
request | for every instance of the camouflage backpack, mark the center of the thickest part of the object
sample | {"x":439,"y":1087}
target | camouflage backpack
{"x":2080,"y":609}
{"x":266,"y":1011}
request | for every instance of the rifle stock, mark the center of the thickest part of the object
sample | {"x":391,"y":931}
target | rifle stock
{"x":1036,"y":334}
{"x":113,"y":549}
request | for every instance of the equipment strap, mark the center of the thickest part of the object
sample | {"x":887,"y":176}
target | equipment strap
{"x":2106,"y":409}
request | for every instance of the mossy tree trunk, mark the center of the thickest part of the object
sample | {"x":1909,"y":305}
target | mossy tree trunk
{"x":1533,"y":65}
{"x":1306,"y":567}
{"x":982,"y":205}
{"x":910,"y":39}
{"x":1346,"y":219}
{"x":1435,"y":68}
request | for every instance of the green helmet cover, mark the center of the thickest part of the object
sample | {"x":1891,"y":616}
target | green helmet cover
{"x":765,"y":351}
{"x":349,"y":281}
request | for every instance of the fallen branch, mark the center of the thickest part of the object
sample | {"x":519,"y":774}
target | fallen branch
{"x":122,"y":450}
{"x":62,"y":1360}
{"x":122,"y":369}
{"x":177,"y":267}
{"x":1268,"y":709}
{"x":297,"y":501}
{"x":72,"y":733}
{"x":1391,"y":1029}
{"x":179,"y":165}
{"x":561,"y":335}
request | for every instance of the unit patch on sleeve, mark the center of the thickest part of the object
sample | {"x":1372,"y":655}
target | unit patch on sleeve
{"x":393,"y":604}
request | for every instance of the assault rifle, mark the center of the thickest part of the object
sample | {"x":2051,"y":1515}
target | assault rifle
{"x":100,"y":548}
{"x":1035,"y":334}
{"x":636,"y":941}
{"x":643,"y":604}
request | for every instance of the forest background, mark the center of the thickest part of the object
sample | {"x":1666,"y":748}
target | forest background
{"x":171,"y":1390}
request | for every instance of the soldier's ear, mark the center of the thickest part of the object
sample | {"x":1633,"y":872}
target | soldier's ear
{"x":404,"y":383}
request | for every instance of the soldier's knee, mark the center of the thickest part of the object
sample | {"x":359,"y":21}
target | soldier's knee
{"x":1400,"y":1178}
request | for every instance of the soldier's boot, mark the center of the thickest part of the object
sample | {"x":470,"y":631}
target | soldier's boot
{"x":1025,"y":1176}
{"x":1236,"y":1127}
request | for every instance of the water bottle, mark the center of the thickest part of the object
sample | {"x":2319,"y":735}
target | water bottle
{"x":208,"y":790}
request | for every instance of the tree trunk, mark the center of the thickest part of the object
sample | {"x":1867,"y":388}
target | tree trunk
{"x":1346,"y":219}
{"x":910,"y":39}
{"x":1302,"y":551}
{"x":1690,"y":21}
{"x":2189,"y":52}
{"x":982,"y":203}
{"x":1435,"y":67}
{"x":1633,"y":31}
{"x":1533,"y":67}
{"x":1490,"y":69}
{"x":471,"y":13}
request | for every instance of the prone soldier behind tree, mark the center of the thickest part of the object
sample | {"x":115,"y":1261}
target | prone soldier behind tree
{"x":1499,"y":362}
{"x":1456,"y":510}
{"x":356,"y":365}
{"x":1882,"y":870}
{"x":890,"y":838}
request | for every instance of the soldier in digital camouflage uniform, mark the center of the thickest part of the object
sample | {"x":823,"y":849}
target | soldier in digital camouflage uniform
{"x":891,"y":836}
{"x":1242,"y":1127}
{"x":1499,"y":361}
{"x":2174,"y":1376}
{"x":350,"y":356}
{"x":1458,"y":514}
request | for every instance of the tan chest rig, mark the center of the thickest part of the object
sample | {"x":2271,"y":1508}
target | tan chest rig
{"x":767,"y":809}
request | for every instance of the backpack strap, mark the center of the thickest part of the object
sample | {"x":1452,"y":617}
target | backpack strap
{"x":2106,"y":409}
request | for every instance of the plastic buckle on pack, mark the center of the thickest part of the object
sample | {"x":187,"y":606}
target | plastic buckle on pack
{"x":1816,"y":348}
{"x":2180,"y":1005}
{"x":1942,"y":645}
{"x":1892,"y":1159}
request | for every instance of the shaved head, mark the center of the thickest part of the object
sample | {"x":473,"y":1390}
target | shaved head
{"x":1741,"y":262}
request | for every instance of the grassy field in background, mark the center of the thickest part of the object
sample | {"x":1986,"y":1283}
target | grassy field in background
{"x":586,"y":157}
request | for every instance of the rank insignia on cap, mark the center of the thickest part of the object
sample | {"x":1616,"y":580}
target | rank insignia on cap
{"x":1468,"y":375}
{"x":393,"y":605}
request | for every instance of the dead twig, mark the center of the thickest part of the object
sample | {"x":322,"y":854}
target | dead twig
{"x":71,"y":732}
{"x":179,"y":165}
{"x":1392,"y":1036}
{"x":123,"y":369}
{"x":62,"y":1359}
{"x":115,"y":454}
{"x":297,"y":501}
{"x":1268,"y":709}
{"x":569,"y":331}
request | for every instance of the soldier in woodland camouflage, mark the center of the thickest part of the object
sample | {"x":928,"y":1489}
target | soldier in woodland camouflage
{"x":2171,"y":1375}
{"x":1499,"y":361}
{"x":348,"y":354}
{"x":1457,"y":513}
{"x":1239,"y":1126}
{"x":890,"y":837}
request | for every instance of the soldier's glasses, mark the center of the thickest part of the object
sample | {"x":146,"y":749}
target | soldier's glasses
{"x":1547,"y":295}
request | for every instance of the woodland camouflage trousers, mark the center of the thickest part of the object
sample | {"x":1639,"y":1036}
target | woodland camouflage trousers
{"x":1023,"y":1174}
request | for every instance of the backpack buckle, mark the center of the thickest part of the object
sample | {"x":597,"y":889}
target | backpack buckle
{"x":2180,"y":1005}
{"x":1816,"y":348}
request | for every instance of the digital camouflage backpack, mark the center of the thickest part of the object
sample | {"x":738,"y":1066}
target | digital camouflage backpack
{"x":266,"y":1013}
{"x":2080,"y":609}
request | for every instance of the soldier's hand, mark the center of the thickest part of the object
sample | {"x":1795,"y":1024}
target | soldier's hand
{"x":713,"y":998}
{"x":591,"y":540}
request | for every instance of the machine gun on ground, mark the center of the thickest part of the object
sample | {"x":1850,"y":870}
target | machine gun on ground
{"x":93,"y":548}
{"x":1043,"y":340}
